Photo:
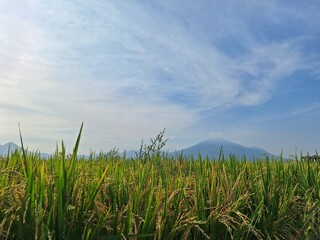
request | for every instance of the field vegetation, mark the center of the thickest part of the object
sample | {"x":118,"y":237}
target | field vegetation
{"x":155,"y":196}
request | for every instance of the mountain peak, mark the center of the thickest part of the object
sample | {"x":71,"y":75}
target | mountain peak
{"x":9,"y":145}
{"x":211,"y":147}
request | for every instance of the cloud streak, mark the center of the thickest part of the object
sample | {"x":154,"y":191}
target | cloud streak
{"x":142,"y":66}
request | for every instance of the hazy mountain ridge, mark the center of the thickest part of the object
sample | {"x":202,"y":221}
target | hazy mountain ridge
{"x":211,"y":148}
{"x":208,"y":148}
{"x":4,"y":149}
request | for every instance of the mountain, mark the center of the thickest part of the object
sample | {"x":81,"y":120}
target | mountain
{"x":5,"y":148}
{"x":211,"y":148}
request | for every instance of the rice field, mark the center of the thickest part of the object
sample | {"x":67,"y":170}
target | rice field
{"x":157,"y":197}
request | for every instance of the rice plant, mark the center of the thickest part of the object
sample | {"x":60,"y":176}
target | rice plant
{"x":155,"y":196}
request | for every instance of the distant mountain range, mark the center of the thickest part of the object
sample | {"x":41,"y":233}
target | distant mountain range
{"x":5,"y":148}
{"x":211,"y":148}
{"x":208,"y":148}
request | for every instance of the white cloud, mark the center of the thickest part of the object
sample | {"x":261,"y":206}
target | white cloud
{"x":126,"y":69}
{"x":263,"y":68}
{"x":309,"y":110}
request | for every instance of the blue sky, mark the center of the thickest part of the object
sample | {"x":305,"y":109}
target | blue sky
{"x":247,"y":71}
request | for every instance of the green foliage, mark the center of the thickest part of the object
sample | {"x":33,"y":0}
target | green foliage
{"x":156,"y":196}
{"x":152,"y":150}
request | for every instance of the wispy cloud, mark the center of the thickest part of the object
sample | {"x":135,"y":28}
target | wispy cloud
{"x":143,"y":66}
{"x":310,"y":110}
